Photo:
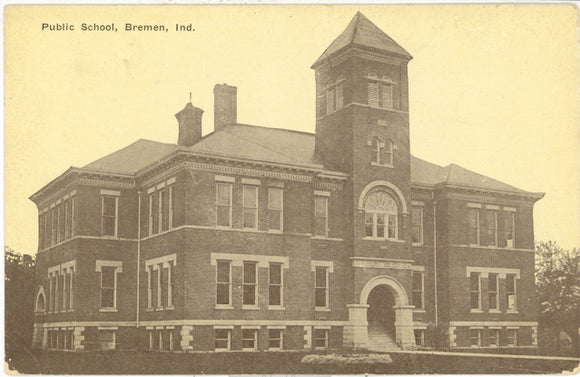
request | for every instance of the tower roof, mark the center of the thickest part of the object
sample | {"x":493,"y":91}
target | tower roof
{"x":361,"y":32}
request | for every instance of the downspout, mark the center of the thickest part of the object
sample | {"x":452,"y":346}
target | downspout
{"x":435,"y":260}
{"x":138,"y":258}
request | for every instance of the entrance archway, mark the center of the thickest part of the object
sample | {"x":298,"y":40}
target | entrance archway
{"x":388,"y":313}
{"x":381,"y":318}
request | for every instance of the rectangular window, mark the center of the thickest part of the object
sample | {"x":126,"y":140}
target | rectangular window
{"x":250,"y":283}
{"x":108,"y":284}
{"x":275,"y":208}
{"x":53,"y":222}
{"x":107,"y":340}
{"x":151,"y":214}
{"x":170,"y":219}
{"x":509,"y":228}
{"x":222,"y":339}
{"x":473,"y":218}
{"x":321,"y":287}
{"x":418,"y":289}
{"x":72,"y":216}
{"x":420,"y":338}
{"x":493,"y":337}
{"x":510,"y":284}
{"x":475,"y":289}
{"x":150,"y":287}
{"x":163,"y":284}
{"x":41,"y":232}
{"x":320,"y":338}
{"x":224,"y":204}
{"x":475,"y":335}
{"x":417,"y":222}
{"x":224,"y":283}
{"x":373,"y":95}
{"x":275,"y":285}
{"x":321,"y":216}
{"x":59,"y":223}
{"x":250,"y":219}
{"x":67,"y":219}
{"x":492,"y":228}
{"x":249,"y":339}
{"x":512,"y":337}
{"x":162,"y":211}
{"x":492,"y":291}
{"x":170,"y":285}
{"x":110,"y":209}
{"x":392,"y":226}
{"x":65,"y":290}
{"x":385,"y":96}
{"x":275,"y":339}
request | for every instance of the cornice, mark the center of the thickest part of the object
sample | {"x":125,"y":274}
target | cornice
{"x":247,"y":171}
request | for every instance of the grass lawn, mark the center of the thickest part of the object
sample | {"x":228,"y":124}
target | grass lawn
{"x":54,"y":362}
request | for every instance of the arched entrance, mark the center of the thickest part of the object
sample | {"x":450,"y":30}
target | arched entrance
{"x":381,"y":318}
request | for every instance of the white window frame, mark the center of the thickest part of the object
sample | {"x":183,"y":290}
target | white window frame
{"x":477,"y":331}
{"x":326,"y":288}
{"x":229,"y":284}
{"x":280,"y":286}
{"x":160,"y":197}
{"x":171,"y":200}
{"x":421,"y":337}
{"x":492,"y":212}
{"x":151,"y":216}
{"x":116,"y":222}
{"x":253,"y":209}
{"x":512,"y":341}
{"x":280,"y":211}
{"x":386,"y":214}
{"x":280,"y":339}
{"x":250,"y":284}
{"x":118,"y":268}
{"x":324,"y":196}
{"x":477,"y":211}
{"x":420,"y":224}
{"x":478,"y":291}
{"x":513,"y":309}
{"x":496,"y":332}
{"x":159,"y":264}
{"x":230,"y":188}
{"x":490,"y":292}
{"x":422,"y":291}
{"x":228,"y":339}
{"x":510,"y":244}
{"x":324,"y":331}
{"x":254,"y":338}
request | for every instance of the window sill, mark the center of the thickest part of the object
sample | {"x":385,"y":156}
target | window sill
{"x":150,"y":309}
{"x":276,"y":307}
{"x":319,"y":237}
{"x":109,"y":237}
{"x":318,"y":309}
{"x":367,"y":238}
{"x":249,"y":349}
{"x":159,"y":309}
{"x":417,"y":244}
{"x":476,"y":311}
{"x":226,"y":307}
{"x":512,"y":312}
{"x":381,"y":165}
{"x":250,"y":307}
{"x":495,"y":311}
{"x":250,"y":229}
{"x":419,"y":311}
{"x":108,"y":310}
{"x":170,"y":307}
{"x":276,"y":231}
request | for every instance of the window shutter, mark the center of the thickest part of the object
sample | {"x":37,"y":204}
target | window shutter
{"x":373,"y":95}
{"x":386,"y":96}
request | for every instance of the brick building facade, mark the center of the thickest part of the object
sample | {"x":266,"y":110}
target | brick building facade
{"x":254,"y":238}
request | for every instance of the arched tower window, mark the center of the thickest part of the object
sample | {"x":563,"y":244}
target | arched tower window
{"x":381,"y":152}
{"x":40,"y":304}
{"x":381,"y":215}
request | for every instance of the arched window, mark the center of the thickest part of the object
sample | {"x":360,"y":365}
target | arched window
{"x":381,"y":216}
{"x":381,"y":152}
{"x":40,"y":305}
{"x":376,"y":150}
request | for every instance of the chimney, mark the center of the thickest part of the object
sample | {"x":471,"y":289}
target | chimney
{"x":225,"y":107}
{"x":189,"y":120}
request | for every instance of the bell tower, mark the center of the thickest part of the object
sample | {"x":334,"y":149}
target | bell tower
{"x":362,"y":129}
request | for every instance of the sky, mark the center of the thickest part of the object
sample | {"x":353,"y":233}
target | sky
{"x":493,"y":88}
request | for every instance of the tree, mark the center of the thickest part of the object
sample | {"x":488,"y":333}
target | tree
{"x":558,"y":290}
{"x":19,"y":301}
